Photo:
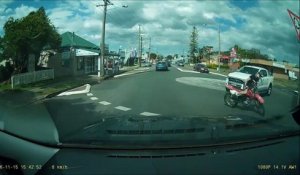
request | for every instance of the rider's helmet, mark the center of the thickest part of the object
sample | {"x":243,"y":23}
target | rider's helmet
{"x":256,"y":76}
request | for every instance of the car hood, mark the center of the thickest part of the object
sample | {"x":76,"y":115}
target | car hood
{"x":163,"y":131}
{"x":239,"y":75}
{"x":29,"y":121}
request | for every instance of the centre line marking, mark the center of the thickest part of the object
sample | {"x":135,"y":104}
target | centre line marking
{"x":94,"y":98}
{"x":122,"y":108}
{"x":104,"y":103}
{"x":149,"y":114}
{"x":89,"y":94}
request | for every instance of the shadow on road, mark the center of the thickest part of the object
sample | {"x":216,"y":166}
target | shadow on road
{"x":72,"y":115}
{"x":15,"y":98}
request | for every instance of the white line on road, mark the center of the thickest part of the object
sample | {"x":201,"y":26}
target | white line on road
{"x":94,"y":98}
{"x":104,"y":103}
{"x":122,"y":108}
{"x":89,"y":94}
{"x":190,"y":71}
{"x":149,"y":114}
{"x":121,"y":75}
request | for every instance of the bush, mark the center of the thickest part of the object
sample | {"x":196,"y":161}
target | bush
{"x":224,"y":66}
{"x":212,"y":66}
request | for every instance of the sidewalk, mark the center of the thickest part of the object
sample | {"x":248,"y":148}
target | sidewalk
{"x":58,"y":85}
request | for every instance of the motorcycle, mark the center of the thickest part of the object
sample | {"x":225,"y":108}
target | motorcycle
{"x":251,"y":99}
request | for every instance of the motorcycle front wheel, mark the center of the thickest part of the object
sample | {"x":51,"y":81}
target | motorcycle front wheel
{"x":259,"y":108}
{"x":229,"y":101}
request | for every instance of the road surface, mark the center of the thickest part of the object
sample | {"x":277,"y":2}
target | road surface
{"x":171,"y":93}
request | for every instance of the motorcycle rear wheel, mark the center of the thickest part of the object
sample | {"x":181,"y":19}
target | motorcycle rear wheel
{"x":229,"y":101}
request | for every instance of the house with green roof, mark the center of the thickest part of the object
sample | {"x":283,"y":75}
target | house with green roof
{"x":77,"y":56}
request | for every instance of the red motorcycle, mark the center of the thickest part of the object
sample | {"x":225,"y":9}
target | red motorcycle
{"x":251,"y":98}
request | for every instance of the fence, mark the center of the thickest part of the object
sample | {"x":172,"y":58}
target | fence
{"x":31,"y":77}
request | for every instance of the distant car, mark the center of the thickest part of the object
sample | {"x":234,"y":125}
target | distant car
{"x":169,"y":63}
{"x":201,"y":68}
{"x":161,"y":65}
{"x":147,"y":64}
{"x":180,"y":64}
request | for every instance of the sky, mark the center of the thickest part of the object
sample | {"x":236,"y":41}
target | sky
{"x":263,"y":24}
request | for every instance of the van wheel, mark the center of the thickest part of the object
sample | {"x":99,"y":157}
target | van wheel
{"x":269,"y":90}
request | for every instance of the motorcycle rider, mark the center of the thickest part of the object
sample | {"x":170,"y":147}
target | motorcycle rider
{"x":251,"y":84}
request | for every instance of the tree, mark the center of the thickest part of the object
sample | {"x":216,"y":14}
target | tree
{"x":169,"y":57}
{"x":28,"y":35}
{"x":193,"y":45}
{"x":153,"y":56}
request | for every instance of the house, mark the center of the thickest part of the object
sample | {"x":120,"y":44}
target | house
{"x":77,"y":56}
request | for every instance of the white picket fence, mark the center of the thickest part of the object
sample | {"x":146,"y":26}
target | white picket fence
{"x":31,"y":77}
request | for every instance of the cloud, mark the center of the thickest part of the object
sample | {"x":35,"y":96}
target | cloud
{"x":264,"y":25}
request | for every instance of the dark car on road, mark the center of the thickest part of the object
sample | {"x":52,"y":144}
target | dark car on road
{"x":161,"y":65}
{"x":168,"y":63}
{"x":201,"y":68}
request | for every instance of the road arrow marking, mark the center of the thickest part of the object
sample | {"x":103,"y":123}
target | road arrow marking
{"x":104,"y":103}
{"x":122,"y":108}
{"x":149,"y":114}
{"x":89,"y":94}
{"x":94,"y":98}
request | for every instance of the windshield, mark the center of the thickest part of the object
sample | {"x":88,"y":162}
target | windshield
{"x":248,"y":70}
{"x":94,"y":72}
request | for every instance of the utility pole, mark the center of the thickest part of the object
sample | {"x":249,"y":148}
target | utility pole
{"x":140,"y":46}
{"x":219,"y":46}
{"x":102,"y":45}
{"x":149,"y":49}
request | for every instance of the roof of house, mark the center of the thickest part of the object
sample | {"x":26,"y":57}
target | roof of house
{"x":72,"y":40}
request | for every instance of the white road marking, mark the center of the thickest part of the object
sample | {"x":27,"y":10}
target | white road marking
{"x":104,"y":103}
{"x":122,"y":108}
{"x":203,"y":82}
{"x":74,"y":91}
{"x":94,"y":98}
{"x":149,"y":114}
{"x":89,"y":94}
{"x":121,"y":75}
{"x":190,"y":71}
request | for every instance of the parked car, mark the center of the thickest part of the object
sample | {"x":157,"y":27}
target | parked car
{"x":240,"y":77}
{"x":147,"y":64}
{"x":201,"y":68}
{"x":180,"y":64}
{"x":161,"y":65}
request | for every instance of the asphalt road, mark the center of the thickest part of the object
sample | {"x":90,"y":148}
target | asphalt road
{"x":152,"y":93}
